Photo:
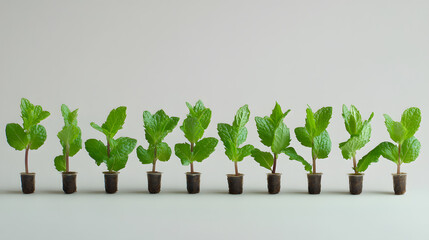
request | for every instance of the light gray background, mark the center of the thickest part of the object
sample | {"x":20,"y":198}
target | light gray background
{"x":147,"y":55}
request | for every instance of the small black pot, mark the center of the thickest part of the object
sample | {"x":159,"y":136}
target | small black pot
{"x":274,"y":182}
{"x":111,"y":181}
{"x":193,"y":182}
{"x":154,"y":182}
{"x":28,"y":182}
{"x":399,"y":183}
{"x":69,"y":182}
{"x":355,"y":183}
{"x":314,"y":180}
{"x":235,"y":183}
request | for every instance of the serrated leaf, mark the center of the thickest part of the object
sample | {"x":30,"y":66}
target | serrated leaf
{"x":265,"y":159}
{"x":116,"y":162}
{"x":356,"y":142}
{"x":410,"y":120}
{"x":96,"y":150}
{"x":115,"y":121}
{"x":310,"y":122}
{"x":37,"y":136}
{"x":244,"y":152}
{"x":290,"y":151}
{"x":145,"y":156}
{"x":75,"y":146}
{"x":32,"y":115}
{"x":385,"y":149}
{"x":265,"y":130}
{"x":303,"y":136}
{"x":277,"y":114}
{"x":281,"y":138}
{"x":100,"y":129}
{"x":241,"y":134}
{"x":321,"y":118}
{"x":410,"y":150}
{"x":68,"y":135}
{"x":158,"y":126}
{"x":396,"y":131}
{"x":183,"y":152}
{"x":204,"y":148}
{"x":16,"y":136}
{"x":192,"y":129}
{"x":322,"y":145}
{"x":123,"y":146}
{"x":241,"y":117}
{"x":163,"y":152}
{"x":201,"y":113}
{"x":70,"y":118}
{"x":60,"y":163}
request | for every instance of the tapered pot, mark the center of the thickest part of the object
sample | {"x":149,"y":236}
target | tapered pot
{"x":399,"y":183}
{"x":355,"y":183}
{"x":274,"y":182}
{"x":314,"y":183}
{"x":69,"y":182}
{"x":28,"y":182}
{"x":154,"y":182}
{"x":235,"y":183}
{"x":111,"y":181}
{"x":193,"y":182}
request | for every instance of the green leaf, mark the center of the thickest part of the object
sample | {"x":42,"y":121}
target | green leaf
{"x":201,"y":113}
{"x":410,"y":150}
{"x":265,"y":159}
{"x":163,"y":152}
{"x":277,"y":114}
{"x":76,"y":145}
{"x":60,"y":163}
{"x":192,"y":129}
{"x":396,"y":130}
{"x":158,"y":126}
{"x":265,"y":130}
{"x":303,"y":136}
{"x":145,"y":156}
{"x":32,"y":115}
{"x":389,"y":151}
{"x":356,"y":142}
{"x":322,"y":145}
{"x":70,"y":118}
{"x":68,"y":135}
{"x":281,"y":138}
{"x":183,"y":152}
{"x":385,"y":149}
{"x":116,"y":162}
{"x":410,"y":120}
{"x":37,"y":136}
{"x":290,"y":151}
{"x":16,"y":136}
{"x":100,"y":129}
{"x":123,"y":146}
{"x":226,"y":134}
{"x":321,"y":118}
{"x":204,"y":148}
{"x":310,"y":123}
{"x":96,"y":150}
{"x":241,"y":135}
{"x":244,"y":152}
{"x":241,"y":117}
{"x":115,"y":121}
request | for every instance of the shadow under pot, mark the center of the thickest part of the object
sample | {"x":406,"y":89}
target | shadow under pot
{"x":193,"y":182}
{"x":69,"y":182}
{"x":314,"y":183}
{"x":274,"y":182}
{"x":28,"y":182}
{"x":399,"y":183}
{"x":235,"y":183}
{"x":154,"y":182}
{"x":111,"y":182}
{"x":355,"y":183}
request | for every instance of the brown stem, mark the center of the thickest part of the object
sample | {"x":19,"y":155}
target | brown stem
{"x":314,"y":163}
{"x":154,"y":161}
{"x":354,"y":164}
{"x":275,"y":163}
{"x":26,"y":158}
{"x":236,"y":168}
{"x":398,"y":169}
{"x":192,"y":167}
{"x":192,"y":163}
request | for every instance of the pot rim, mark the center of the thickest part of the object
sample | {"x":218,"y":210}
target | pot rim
{"x":154,"y":173}
{"x":275,"y":174}
{"x":314,"y":174}
{"x":234,"y":175}
{"x":69,"y":173}
{"x":31,"y":173}
{"x":110,"y":173}
{"x":356,"y":174}
{"x":401,"y":174}
{"x":194,"y":173}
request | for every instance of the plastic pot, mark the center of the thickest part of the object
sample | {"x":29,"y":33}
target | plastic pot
{"x":314,"y":183}
{"x":28,"y":182}
{"x":193,"y":182}
{"x":235,"y":183}
{"x":355,"y":183}
{"x":69,"y":182}
{"x":274,"y":182}
{"x":154,"y":182}
{"x":111,"y":181}
{"x":399,"y":183}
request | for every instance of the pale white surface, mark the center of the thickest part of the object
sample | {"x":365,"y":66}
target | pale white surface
{"x":147,"y":55}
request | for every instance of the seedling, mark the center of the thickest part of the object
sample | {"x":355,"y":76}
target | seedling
{"x":70,"y":139}
{"x":156,"y":127}
{"x":234,"y":135}
{"x":115,"y":154}
{"x":314,"y":134}
{"x":31,"y":135}
{"x":360,"y":134}
{"x":274,"y":133}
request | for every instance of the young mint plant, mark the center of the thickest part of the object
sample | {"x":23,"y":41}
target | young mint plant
{"x":70,"y":139}
{"x":115,"y":154}
{"x":156,"y":127}
{"x":193,"y":127}
{"x":274,"y":133}
{"x":31,"y":135}
{"x":234,"y":135}
{"x":360,"y":133}
{"x":402,"y":133}
{"x":314,"y":134}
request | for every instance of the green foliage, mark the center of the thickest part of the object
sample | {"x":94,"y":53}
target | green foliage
{"x":385,"y":149}
{"x":202,"y":150}
{"x":234,"y":135}
{"x":31,"y":135}
{"x":401,"y":131}
{"x":290,"y":151}
{"x":265,"y":159}
{"x":115,"y":154}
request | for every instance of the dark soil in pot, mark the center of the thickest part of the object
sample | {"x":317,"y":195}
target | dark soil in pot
{"x":154,"y":182}
{"x":193,"y":182}
{"x":274,"y":182}
{"x":111,"y":181}
{"x":355,"y":183}
{"x":28,"y":182}
{"x":235,"y":183}
{"x":399,"y":183}
{"x":69,"y":182}
{"x":314,"y":183}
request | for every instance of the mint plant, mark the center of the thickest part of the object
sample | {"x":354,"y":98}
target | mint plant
{"x":234,"y":135}
{"x":314,"y":134}
{"x":193,"y":127}
{"x":70,"y":139}
{"x":407,"y":147}
{"x":31,"y":135}
{"x":360,"y":134}
{"x":157,"y":127}
{"x":115,"y":153}
{"x":274,"y":134}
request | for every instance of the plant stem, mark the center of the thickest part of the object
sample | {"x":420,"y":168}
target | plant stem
{"x":108,"y":152}
{"x":26,"y":158}
{"x":192,"y":163}
{"x":67,"y":160}
{"x":399,"y":160}
{"x":154,"y":160}
{"x":236,"y":168}
{"x":354,"y":164}
{"x":314,"y":164}
{"x":275,"y":163}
